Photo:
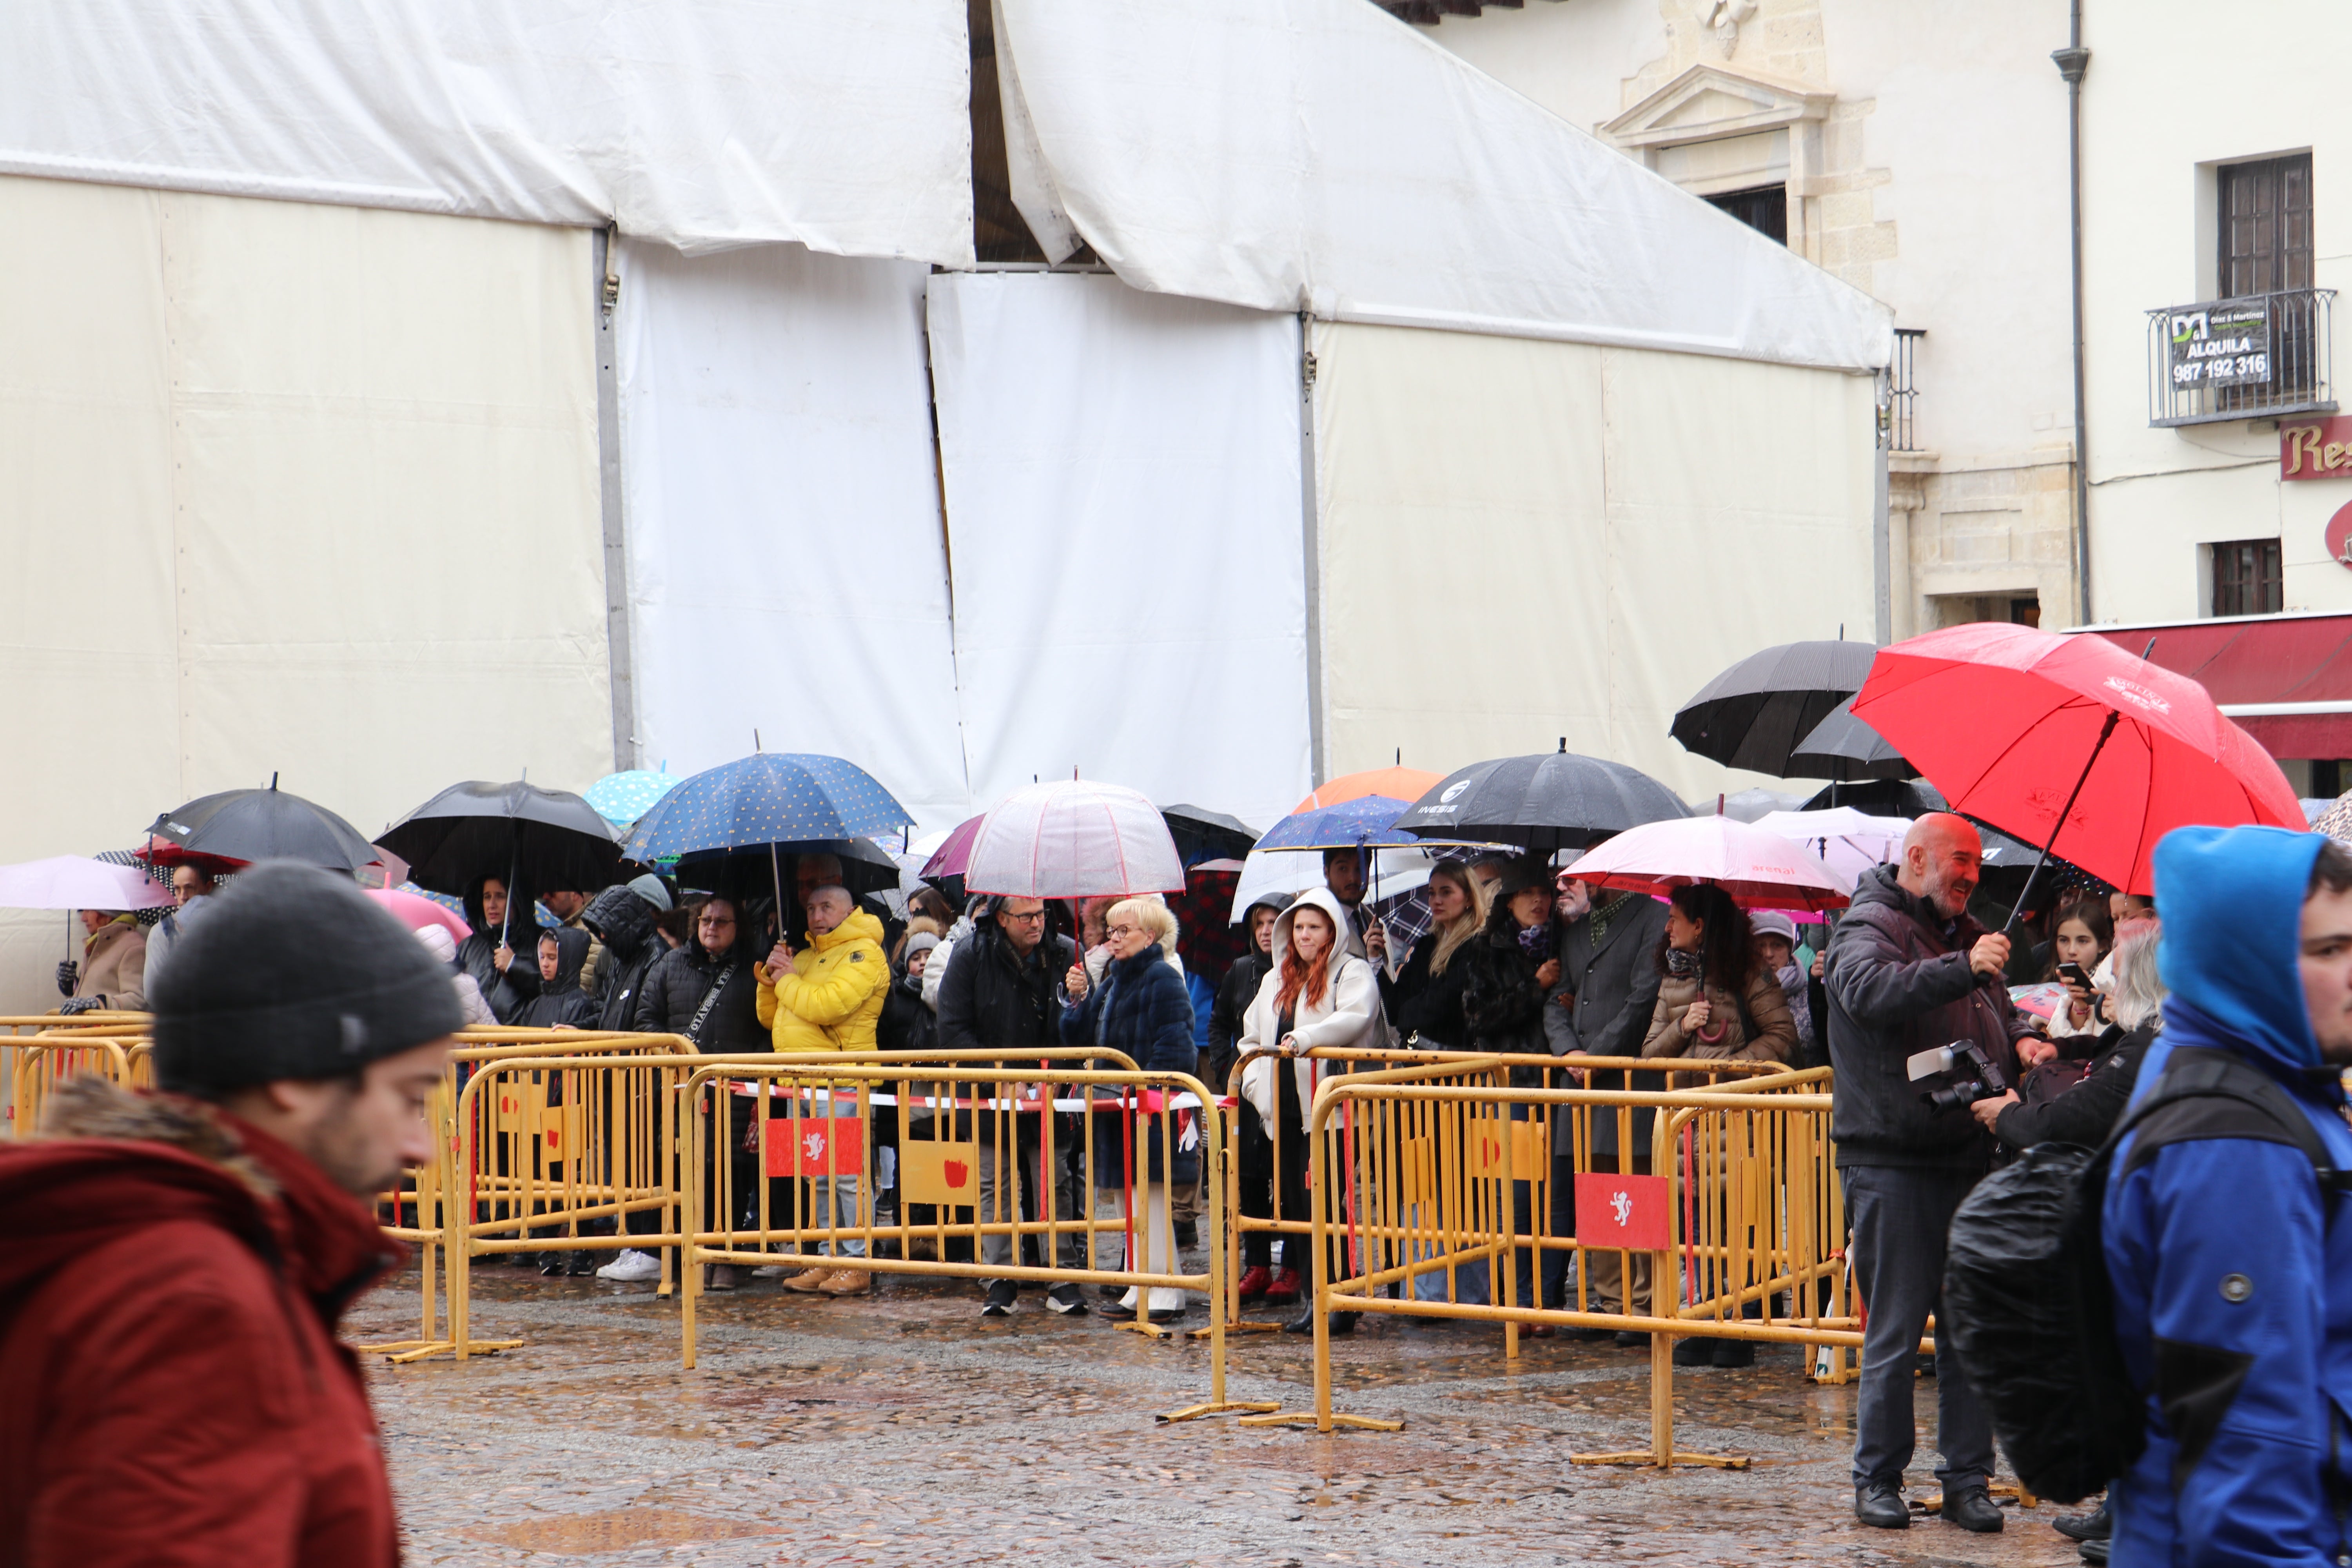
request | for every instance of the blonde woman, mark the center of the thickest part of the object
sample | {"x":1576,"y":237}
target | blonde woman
{"x":1317,"y":993}
{"x":1141,"y":1009}
{"x":1424,"y":1000}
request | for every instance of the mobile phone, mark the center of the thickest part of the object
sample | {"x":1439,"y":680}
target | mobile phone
{"x":2075,"y":974}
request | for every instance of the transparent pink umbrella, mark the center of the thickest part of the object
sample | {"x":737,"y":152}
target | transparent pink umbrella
{"x":1759,"y":869}
{"x":73,"y":882}
{"x":1073,"y":838}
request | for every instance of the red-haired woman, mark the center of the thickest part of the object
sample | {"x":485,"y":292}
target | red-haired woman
{"x":1317,"y":993}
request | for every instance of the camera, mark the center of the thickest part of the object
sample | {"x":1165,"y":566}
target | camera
{"x":1969,"y":1075}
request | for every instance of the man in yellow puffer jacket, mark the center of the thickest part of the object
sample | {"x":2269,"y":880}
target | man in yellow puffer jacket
{"x":830,"y":999}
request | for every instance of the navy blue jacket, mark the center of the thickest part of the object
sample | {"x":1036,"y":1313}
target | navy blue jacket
{"x":1140,"y":1008}
{"x":2233,"y":1295}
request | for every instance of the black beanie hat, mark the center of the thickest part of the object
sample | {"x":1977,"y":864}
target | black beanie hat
{"x":295,"y":974}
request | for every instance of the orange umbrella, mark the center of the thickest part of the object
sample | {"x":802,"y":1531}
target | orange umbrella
{"x":1397,"y":784}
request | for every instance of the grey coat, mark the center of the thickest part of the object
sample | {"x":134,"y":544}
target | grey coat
{"x":1603,"y":1004}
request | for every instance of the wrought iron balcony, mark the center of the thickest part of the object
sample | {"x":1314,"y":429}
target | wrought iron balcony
{"x":2256,"y":358}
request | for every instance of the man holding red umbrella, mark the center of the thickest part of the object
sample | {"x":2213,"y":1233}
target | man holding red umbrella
{"x":1909,"y":972}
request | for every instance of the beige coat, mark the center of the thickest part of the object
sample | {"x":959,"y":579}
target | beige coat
{"x":1775,"y":1038}
{"x":114,"y":967}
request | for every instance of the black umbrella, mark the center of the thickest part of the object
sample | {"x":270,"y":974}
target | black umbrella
{"x":264,"y":825}
{"x":1552,"y":800}
{"x":1205,"y":835}
{"x":1843,"y":749}
{"x":540,"y":840}
{"x":866,"y":866}
{"x":1754,"y":714}
{"x":1880,"y":797}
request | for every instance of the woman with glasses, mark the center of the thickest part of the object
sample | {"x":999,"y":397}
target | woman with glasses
{"x":1141,"y":1009}
{"x":706,"y":990}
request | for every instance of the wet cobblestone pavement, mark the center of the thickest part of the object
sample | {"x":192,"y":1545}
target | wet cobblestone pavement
{"x":908,"y":1429}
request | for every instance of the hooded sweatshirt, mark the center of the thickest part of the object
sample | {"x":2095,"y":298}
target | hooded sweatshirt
{"x":624,"y":921}
{"x":560,"y":1001}
{"x":2233,"y":1293}
{"x":1347,"y":1014}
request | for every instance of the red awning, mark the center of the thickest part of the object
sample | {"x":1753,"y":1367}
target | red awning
{"x":2287,"y":678}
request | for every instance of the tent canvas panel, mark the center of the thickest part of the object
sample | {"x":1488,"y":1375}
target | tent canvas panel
{"x":787,"y":568}
{"x":1681,"y":511}
{"x":1125,"y":520}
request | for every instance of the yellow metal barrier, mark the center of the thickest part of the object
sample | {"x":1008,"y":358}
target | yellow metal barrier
{"x":1748,"y":1218}
{"x":940,"y":1122}
{"x":38,"y":1062}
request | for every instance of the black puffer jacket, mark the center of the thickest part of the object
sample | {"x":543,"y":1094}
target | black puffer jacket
{"x":994,"y":1000}
{"x":673,"y":993}
{"x":1427,"y":1008}
{"x":560,"y":1001}
{"x":625,"y":922}
{"x":478,"y":954}
{"x":1502,"y":1004}
{"x":2084,"y":1114}
{"x":1229,"y":1013}
{"x":1899,"y":983}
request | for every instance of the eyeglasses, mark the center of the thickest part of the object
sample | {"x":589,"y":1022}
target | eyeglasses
{"x":711,"y":922}
{"x":1030,"y":915}
{"x":1124,"y":930}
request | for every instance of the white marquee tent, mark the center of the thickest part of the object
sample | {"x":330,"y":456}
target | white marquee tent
{"x":1406,"y":417}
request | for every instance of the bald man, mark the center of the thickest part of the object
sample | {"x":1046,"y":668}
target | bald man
{"x":1908,"y":970}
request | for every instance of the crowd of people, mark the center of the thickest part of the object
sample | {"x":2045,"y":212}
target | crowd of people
{"x":1514,"y":956}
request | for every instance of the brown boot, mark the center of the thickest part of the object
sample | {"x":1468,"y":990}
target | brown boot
{"x":808,"y":1279}
{"x":845,"y":1282}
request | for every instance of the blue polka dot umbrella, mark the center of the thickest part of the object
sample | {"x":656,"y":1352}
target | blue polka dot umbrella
{"x":771,"y":798}
{"x":622,"y":798}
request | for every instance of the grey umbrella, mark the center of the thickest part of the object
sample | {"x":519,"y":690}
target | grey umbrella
{"x":1546,"y":802}
{"x":1754,"y":714}
{"x":1841,"y":748}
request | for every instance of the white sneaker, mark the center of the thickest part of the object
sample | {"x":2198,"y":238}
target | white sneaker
{"x":631,"y":1268}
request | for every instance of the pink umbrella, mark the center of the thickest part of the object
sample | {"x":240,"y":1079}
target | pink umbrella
{"x":1759,"y":869}
{"x":1073,"y":838}
{"x":952,"y":855}
{"x":77,"y":882}
{"x":416,"y":913}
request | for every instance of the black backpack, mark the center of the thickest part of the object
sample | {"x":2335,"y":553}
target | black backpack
{"x":2027,"y":1303}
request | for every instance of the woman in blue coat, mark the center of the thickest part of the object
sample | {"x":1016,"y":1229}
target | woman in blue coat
{"x":1141,"y":1009}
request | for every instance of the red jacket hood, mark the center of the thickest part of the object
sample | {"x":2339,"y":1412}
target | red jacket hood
{"x":110,"y":1162}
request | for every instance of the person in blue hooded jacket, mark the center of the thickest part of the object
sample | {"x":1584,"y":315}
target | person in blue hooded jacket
{"x":2233,"y":1291}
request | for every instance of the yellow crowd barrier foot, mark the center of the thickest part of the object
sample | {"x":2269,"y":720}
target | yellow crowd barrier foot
{"x":1240,"y":1326}
{"x":1153,"y":1331}
{"x":1194,"y":1412}
{"x":1644,"y":1456}
{"x":1309,"y":1418}
{"x":402,"y":1351}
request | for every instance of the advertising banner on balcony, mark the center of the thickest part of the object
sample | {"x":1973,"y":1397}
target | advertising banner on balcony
{"x":2226,"y":343}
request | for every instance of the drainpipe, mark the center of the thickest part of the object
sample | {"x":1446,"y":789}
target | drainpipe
{"x":2073,"y":61}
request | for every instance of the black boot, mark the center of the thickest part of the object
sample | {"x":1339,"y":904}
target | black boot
{"x":2095,"y":1525}
{"x":1695,"y":1352}
{"x":1881,"y":1503}
{"x":1342,"y":1323}
{"x":1735,"y":1353}
{"x":2094,"y":1552}
{"x":1973,"y":1510}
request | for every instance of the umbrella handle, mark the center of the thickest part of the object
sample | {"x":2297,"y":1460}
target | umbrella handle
{"x":2044,"y":859}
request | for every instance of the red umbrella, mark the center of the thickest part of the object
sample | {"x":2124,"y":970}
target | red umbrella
{"x":2070,"y":742}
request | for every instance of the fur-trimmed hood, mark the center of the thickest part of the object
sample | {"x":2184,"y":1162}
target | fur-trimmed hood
{"x":108,"y":1161}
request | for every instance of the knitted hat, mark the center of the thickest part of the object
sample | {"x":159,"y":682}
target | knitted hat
{"x":1772,"y":923}
{"x":295,"y":975}
{"x":921,"y":942}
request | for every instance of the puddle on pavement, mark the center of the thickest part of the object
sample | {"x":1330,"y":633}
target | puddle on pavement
{"x":585,"y":1534}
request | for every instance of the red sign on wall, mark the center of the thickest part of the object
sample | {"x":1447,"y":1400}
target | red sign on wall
{"x":1630,"y":1211}
{"x":2315,"y":449}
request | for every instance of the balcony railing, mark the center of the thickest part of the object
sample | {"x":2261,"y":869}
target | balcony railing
{"x":2255,"y":358}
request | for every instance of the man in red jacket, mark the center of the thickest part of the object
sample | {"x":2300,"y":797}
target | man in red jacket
{"x":172,"y":1265}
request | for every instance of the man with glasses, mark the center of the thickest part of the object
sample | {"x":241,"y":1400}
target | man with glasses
{"x":1001,"y":993}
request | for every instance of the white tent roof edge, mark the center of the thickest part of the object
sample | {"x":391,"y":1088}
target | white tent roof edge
{"x":1340,"y":164}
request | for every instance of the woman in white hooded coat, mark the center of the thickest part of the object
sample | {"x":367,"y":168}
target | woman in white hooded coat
{"x":1317,"y":993}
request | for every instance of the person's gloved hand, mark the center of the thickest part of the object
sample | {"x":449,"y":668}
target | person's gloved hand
{"x":69,"y":975}
{"x":83,"y":1005}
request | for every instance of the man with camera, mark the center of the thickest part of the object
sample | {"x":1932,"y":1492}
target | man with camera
{"x":1910,"y":975}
